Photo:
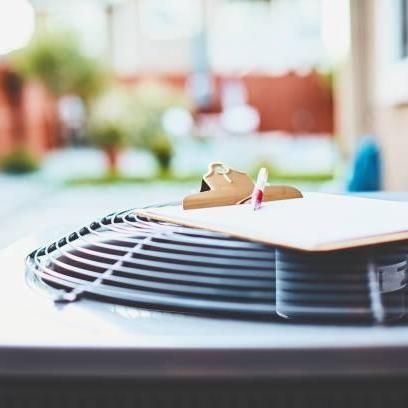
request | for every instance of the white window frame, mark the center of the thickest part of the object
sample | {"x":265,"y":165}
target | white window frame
{"x":391,"y":69}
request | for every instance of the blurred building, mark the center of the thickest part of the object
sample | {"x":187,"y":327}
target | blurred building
{"x":202,"y":47}
{"x":372,"y":93}
{"x":272,"y":49}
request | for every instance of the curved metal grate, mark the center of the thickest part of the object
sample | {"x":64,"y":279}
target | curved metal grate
{"x":124,"y":258}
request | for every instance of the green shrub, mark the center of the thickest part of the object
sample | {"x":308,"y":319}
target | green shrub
{"x":276,"y":174}
{"x":20,"y":161}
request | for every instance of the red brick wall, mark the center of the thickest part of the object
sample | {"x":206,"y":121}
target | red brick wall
{"x":28,"y":116}
{"x":290,"y":103}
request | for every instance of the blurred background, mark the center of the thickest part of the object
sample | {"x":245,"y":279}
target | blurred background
{"x":110,"y":104}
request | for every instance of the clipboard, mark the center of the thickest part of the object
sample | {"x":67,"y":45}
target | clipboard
{"x":222,"y":185}
{"x":313,"y":222}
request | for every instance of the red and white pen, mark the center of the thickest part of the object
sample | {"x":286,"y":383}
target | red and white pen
{"x":257,"y":194}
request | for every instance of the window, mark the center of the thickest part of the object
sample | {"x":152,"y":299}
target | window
{"x":170,"y":19}
{"x":391,"y":42}
{"x":403,"y":28}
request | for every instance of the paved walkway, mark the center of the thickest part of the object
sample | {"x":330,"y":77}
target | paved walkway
{"x":49,"y":213}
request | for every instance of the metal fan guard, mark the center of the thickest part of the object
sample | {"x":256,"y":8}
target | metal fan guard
{"x":125,"y":258}
{"x":128,"y":259}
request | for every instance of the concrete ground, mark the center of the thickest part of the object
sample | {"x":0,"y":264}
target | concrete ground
{"x":49,"y":212}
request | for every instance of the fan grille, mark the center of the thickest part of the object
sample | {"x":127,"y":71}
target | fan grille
{"x":128,"y":259}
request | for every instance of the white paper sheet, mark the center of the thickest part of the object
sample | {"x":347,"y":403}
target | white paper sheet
{"x":316,"y":222}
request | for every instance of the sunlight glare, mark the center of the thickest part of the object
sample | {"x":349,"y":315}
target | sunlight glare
{"x":17,"y":22}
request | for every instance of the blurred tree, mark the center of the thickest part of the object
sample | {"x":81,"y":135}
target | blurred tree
{"x":111,"y":137}
{"x":56,"y":60}
{"x":151,"y":100}
{"x":109,"y":125}
{"x":135,"y":114}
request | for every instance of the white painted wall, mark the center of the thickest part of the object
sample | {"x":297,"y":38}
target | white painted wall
{"x":134,"y":51}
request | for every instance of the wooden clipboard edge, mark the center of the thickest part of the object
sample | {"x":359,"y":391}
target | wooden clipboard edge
{"x":333,"y":246}
{"x":211,"y":198}
{"x":231,"y":196}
